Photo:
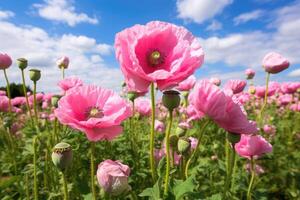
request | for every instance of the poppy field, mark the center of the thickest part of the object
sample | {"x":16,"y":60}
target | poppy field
{"x":166,"y":135}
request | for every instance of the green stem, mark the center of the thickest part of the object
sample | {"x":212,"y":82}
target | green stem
{"x":35,"y":186}
{"x":65,"y":186}
{"x":152,"y":161}
{"x":265,"y":99}
{"x":63,"y":72}
{"x":8,"y":91}
{"x":27,"y":187}
{"x":167,"y":144}
{"x":92,"y":171}
{"x":26,"y":96}
{"x":196,"y":149}
{"x":35,"y":104}
{"x":252,"y":166}
{"x":230,"y":170}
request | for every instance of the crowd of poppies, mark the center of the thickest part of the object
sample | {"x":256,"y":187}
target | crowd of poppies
{"x":147,"y":140}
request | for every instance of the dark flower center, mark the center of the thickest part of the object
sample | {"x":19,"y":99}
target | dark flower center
{"x":95,"y":112}
{"x":155,"y":58}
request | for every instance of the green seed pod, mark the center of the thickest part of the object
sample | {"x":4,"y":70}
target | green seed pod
{"x":22,"y":63}
{"x":171,"y":99}
{"x":184,"y":145}
{"x":132,"y":95}
{"x":233,"y":138}
{"x":54,"y":100}
{"x":62,"y":155}
{"x":180,"y":132}
{"x":34,"y":75}
{"x":173,"y":142}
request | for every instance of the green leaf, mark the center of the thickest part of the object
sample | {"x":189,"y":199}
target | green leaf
{"x":182,"y":188}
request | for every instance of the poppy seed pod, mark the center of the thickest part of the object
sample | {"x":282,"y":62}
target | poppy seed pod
{"x":132,"y":95}
{"x":180,"y":131}
{"x":62,"y":155}
{"x":171,"y":99}
{"x":22,"y":63}
{"x":34,"y":75}
{"x":184,"y":145}
{"x":173,"y":142}
{"x":233,"y":138}
{"x":54,"y":100}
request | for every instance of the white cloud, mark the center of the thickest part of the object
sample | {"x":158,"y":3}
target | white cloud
{"x":294,"y":73}
{"x":214,"y":26}
{"x":200,"y":10}
{"x":5,"y":14}
{"x":42,"y":50}
{"x":63,"y":11}
{"x":245,"y":17}
{"x":248,"y":49}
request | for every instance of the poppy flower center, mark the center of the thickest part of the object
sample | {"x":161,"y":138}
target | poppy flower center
{"x":95,"y":113}
{"x":155,"y":58}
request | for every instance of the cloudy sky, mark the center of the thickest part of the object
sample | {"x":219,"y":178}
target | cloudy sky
{"x":234,"y":34}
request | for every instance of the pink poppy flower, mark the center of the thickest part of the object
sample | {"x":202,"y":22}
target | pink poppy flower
{"x":93,"y":110}
{"x":252,"y":146}
{"x":275,"y":63}
{"x":157,"y":52}
{"x":187,"y":84}
{"x":69,"y":83}
{"x":269,"y":129}
{"x":159,"y":153}
{"x":4,"y":103}
{"x":250,"y":73}
{"x":258,"y":169}
{"x":215,"y":81}
{"x":236,"y":86}
{"x":2,"y":93}
{"x":285,"y":99}
{"x":112,"y":176}
{"x":5,"y":61}
{"x":223,"y":108}
{"x":194,"y":142}
{"x":159,"y":126}
{"x":295,"y":107}
{"x":142,"y":106}
{"x":63,"y":62}
{"x":289,"y":87}
{"x":18,"y":101}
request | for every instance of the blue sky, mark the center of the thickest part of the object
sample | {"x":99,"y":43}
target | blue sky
{"x":234,"y":34}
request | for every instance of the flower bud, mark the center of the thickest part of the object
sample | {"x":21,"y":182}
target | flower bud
{"x":132,"y":95}
{"x":180,"y":131}
{"x":34,"y":75}
{"x":233,"y":138}
{"x":54,"y":100}
{"x":184,"y":145}
{"x":62,"y":155}
{"x":112,"y":176}
{"x":252,"y":90}
{"x":173,"y":142}
{"x":22,"y":63}
{"x":171,"y":99}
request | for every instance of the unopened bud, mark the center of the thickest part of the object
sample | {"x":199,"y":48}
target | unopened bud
{"x":22,"y":63}
{"x":34,"y":75}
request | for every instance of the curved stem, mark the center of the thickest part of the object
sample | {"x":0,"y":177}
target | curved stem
{"x":65,"y":186}
{"x":252,"y":178}
{"x":35,"y":187}
{"x":167,"y":144}
{"x":8,"y":91}
{"x":230,"y":170}
{"x":26,"y":96}
{"x":92,"y":171}
{"x":265,"y":99}
{"x":152,"y":161}
{"x":196,"y":149}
